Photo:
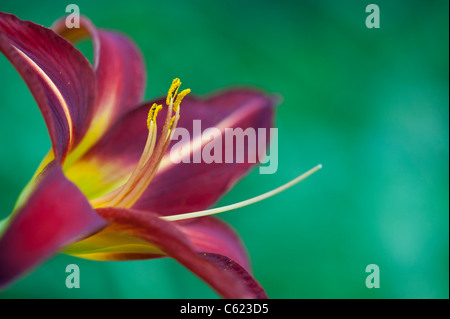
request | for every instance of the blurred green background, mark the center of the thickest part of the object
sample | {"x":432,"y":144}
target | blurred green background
{"x":371,"y":105}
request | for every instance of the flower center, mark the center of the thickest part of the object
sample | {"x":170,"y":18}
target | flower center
{"x":154,"y":150}
{"x":126,"y":195}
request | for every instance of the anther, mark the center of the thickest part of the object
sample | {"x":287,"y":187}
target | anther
{"x":173,"y":90}
{"x":179,"y":98}
{"x":153,"y":113}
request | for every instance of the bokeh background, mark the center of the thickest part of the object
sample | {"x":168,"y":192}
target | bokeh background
{"x":371,"y":105}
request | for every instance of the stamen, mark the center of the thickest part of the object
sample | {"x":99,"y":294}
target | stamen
{"x":107,"y":199}
{"x":132,"y":190}
{"x":245,"y":202}
{"x":129,"y":193}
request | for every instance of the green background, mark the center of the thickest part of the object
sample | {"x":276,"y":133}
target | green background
{"x":371,"y":105}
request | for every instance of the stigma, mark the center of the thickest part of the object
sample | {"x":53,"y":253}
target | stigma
{"x":126,"y":195}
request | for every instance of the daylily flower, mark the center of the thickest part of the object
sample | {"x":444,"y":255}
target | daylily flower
{"x":107,"y":189}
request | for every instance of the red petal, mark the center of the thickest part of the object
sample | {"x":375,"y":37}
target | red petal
{"x":224,"y":275}
{"x":55,"y":215}
{"x":119,"y":67}
{"x":212,"y":235}
{"x":58,"y":75}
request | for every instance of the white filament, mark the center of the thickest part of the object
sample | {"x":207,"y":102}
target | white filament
{"x":245,"y":202}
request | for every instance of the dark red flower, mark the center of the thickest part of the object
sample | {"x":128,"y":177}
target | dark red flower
{"x":91,"y":197}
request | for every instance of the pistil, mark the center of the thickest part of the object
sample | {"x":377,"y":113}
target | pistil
{"x":244,"y":203}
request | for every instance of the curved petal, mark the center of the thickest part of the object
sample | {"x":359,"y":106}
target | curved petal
{"x":176,"y":188}
{"x":224,"y":275}
{"x":58,"y":75}
{"x":55,"y":215}
{"x":206,"y":235}
{"x":120,"y":73}
{"x":212,"y":235}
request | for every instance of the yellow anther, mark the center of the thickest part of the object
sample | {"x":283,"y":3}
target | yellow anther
{"x":173,"y":90}
{"x":152,"y":113}
{"x":180,"y":97}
